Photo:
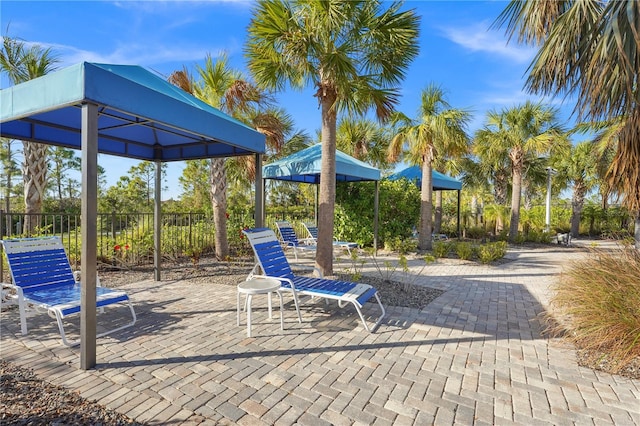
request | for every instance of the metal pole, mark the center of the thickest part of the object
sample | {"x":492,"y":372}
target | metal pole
{"x":89,"y":214}
{"x":157,"y":224}
{"x":259,"y":212}
{"x":459,"y":234}
{"x":376,"y":205}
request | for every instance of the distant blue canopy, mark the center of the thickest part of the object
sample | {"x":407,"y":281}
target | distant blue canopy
{"x":140,"y":115}
{"x":441,"y":182}
{"x":304,"y":166}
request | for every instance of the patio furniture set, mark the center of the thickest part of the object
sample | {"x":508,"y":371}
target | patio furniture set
{"x":43,"y":281}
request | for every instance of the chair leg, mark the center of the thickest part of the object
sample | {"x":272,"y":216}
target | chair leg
{"x":23,"y":314}
{"x":248,"y":315}
{"x":295,"y":301}
{"x":281,"y":309}
{"x":58,"y":316}
{"x":378,"y":321}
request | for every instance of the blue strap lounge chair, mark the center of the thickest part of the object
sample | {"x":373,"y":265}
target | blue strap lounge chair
{"x":289,"y":239}
{"x":43,"y":280}
{"x":273,"y":264}
{"x":312,"y":230}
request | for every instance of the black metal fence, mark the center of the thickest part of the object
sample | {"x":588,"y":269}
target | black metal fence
{"x":124,"y":239}
{"x":127,"y":239}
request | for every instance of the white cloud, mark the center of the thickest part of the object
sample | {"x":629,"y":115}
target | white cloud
{"x":160,"y":6}
{"x":134,"y":54}
{"x":477,"y":38}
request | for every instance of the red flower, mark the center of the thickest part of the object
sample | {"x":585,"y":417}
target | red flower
{"x":126,"y":247}
{"x":117,"y":247}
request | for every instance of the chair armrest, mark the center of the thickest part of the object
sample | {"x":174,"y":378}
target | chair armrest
{"x":76,"y":278}
{"x":316,"y":271}
{"x":293,"y":287}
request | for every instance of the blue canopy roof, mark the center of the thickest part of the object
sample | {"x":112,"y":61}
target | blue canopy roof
{"x":304,"y":166}
{"x":440,"y":181}
{"x":141,"y":115}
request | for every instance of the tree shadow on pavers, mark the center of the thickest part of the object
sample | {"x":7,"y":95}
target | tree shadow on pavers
{"x":293,"y":351}
{"x":153,"y":318}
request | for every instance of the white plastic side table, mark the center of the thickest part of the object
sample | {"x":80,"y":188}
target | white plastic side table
{"x":259,"y":286}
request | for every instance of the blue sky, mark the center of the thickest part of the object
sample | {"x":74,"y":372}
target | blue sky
{"x":458,"y":51}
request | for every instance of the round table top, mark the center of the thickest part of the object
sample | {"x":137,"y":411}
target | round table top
{"x":259,"y":285}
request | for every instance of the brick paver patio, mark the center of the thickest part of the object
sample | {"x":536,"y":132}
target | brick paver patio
{"x":474,"y":356}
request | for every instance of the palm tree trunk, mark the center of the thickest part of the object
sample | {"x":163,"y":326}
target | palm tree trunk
{"x":438,"y":216}
{"x":577,"y":202}
{"x":515,"y":196}
{"x":218,"y":182}
{"x":426,"y":205}
{"x":500,"y":190}
{"x":327,"y":196}
{"x":35,"y":180}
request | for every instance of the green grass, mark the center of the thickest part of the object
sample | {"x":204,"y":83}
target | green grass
{"x":600,"y":296}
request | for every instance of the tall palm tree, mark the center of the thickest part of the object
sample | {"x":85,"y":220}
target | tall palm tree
{"x":521,"y":132}
{"x":590,"y":49}
{"x":21,"y":63}
{"x":579,"y":168}
{"x":355,"y":53}
{"x":493,"y":163}
{"x":438,"y":126}
{"x":227,"y":89}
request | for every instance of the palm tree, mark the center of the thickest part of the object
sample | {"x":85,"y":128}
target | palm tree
{"x":227,"y":89}
{"x":521,"y":132}
{"x":353,"y":52}
{"x":606,"y":143}
{"x":493,"y":163}
{"x":21,"y":64}
{"x":365,"y":140}
{"x":590,"y":49}
{"x":438,"y":126}
{"x":578,"y":167}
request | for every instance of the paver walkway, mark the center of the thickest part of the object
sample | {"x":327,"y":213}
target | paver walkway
{"x":474,"y":356}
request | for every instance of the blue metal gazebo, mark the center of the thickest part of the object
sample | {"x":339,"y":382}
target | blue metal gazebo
{"x":304,"y":167}
{"x":120,"y":110}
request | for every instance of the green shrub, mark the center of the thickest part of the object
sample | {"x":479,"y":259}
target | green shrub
{"x":539,"y":237}
{"x":520,"y":238}
{"x":399,"y":245}
{"x":398,"y":213}
{"x":603,"y":305}
{"x":491,"y":252}
{"x":441,"y":249}
{"x":464,"y":250}
{"x":476,"y":233}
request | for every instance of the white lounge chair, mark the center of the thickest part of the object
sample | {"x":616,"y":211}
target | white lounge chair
{"x":43,"y":281}
{"x":312,"y":230}
{"x":289,"y":239}
{"x":272,"y":262}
